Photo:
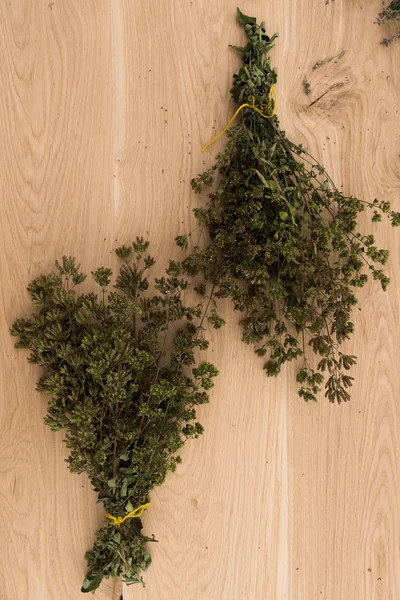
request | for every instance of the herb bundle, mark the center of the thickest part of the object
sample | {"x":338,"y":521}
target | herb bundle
{"x":390,"y":14}
{"x":124,"y":385}
{"x":283,"y":240}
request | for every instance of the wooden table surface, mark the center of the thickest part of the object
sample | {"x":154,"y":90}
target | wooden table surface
{"x":104,"y":106}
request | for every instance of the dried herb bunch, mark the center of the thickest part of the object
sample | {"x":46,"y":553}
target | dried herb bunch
{"x":390,"y":14}
{"x":283,"y":240}
{"x":124,"y":385}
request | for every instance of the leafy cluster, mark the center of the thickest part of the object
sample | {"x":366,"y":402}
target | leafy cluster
{"x":390,"y":14}
{"x":283,"y":240}
{"x":124,"y":384}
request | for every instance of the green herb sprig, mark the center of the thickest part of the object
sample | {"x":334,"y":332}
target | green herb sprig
{"x":124,"y":384}
{"x":283,"y":240}
{"x":324,"y":61}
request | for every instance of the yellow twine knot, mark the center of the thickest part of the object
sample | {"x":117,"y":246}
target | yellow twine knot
{"x":272,"y":96}
{"x":134,"y":514}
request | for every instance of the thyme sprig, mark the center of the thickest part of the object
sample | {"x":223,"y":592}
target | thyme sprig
{"x":124,"y":384}
{"x":284,"y":244}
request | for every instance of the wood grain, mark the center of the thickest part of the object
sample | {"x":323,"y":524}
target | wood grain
{"x":105,"y":105}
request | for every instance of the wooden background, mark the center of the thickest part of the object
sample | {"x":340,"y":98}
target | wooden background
{"x":104,"y":106}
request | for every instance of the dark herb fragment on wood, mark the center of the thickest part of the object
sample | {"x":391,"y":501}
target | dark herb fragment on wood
{"x":388,"y":15}
{"x":307,"y":86}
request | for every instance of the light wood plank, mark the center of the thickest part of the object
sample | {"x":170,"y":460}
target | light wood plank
{"x":105,"y":106}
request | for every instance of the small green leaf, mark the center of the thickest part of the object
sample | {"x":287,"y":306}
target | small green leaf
{"x":147,"y":560}
{"x":91,"y":583}
{"x":86,"y":583}
{"x":244,"y":19}
{"x":283,"y":215}
{"x":238,"y":49}
{"x":269,"y":183}
{"x":124,"y":488}
{"x":117,"y":537}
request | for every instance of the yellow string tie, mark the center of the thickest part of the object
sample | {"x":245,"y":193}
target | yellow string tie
{"x":272,"y":96}
{"x":134,"y":514}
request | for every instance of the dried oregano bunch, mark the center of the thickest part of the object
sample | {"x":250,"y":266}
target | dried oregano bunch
{"x":391,"y":13}
{"x":283,"y":240}
{"x":124,"y":385}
